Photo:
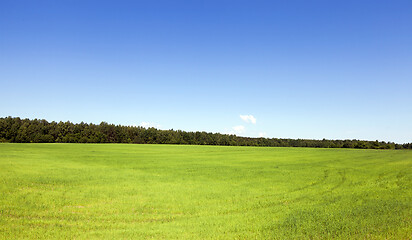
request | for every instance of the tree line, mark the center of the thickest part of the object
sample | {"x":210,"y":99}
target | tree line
{"x":16,"y":130}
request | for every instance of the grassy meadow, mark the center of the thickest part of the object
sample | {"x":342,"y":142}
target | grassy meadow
{"x":125,"y":191}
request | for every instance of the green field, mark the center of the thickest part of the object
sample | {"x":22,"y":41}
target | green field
{"x":116,"y":191}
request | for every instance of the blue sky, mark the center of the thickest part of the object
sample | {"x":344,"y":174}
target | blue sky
{"x":300,"y":69}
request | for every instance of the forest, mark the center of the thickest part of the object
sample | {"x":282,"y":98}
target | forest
{"x":17,"y":130}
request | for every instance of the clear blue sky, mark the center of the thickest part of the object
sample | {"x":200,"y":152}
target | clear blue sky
{"x":302,"y":69}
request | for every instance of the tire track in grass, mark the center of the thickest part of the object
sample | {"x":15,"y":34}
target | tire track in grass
{"x":340,"y":183}
{"x":323,"y":180}
{"x":267,"y":203}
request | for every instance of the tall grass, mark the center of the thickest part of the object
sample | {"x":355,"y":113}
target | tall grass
{"x":115,"y":191}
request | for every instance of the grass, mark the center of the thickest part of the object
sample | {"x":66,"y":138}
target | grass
{"x":116,"y":191}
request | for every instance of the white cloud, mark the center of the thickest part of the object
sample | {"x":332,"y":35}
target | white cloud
{"x":149,"y":125}
{"x":238,"y":129}
{"x":248,"y":118}
{"x":262,"y":134}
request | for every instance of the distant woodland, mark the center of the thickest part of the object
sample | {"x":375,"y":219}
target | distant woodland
{"x":16,"y":130}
